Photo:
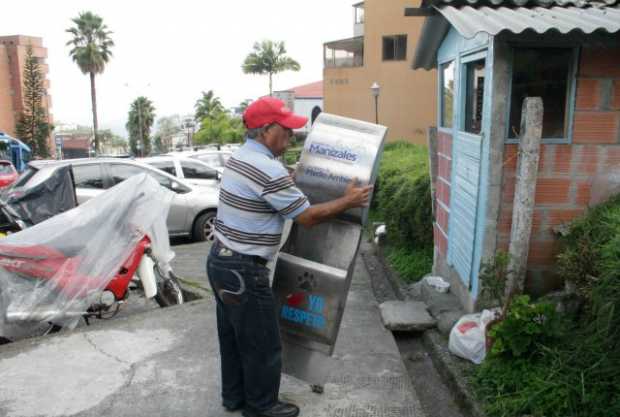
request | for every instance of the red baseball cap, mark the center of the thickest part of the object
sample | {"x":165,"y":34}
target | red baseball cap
{"x":267,"y":110}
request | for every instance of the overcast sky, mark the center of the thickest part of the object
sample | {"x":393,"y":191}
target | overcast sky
{"x":171,"y":51}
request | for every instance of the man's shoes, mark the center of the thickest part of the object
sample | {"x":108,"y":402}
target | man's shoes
{"x":233,"y":408}
{"x":281,"y":409}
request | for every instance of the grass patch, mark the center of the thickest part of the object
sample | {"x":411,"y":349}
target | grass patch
{"x":410,"y":264}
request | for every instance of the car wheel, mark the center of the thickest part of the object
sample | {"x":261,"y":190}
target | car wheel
{"x":204,"y":227}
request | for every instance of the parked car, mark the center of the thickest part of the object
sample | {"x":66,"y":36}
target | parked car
{"x":193,"y":208}
{"x":215,"y":159}
{"x":8,"y":174}
{"x":191,"y":170}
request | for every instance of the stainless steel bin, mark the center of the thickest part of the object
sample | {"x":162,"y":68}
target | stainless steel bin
{"x":315,"y":265}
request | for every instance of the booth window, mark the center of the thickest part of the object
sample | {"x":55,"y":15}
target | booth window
{"x":474,"y":95}
{"x":447,"y":94}
{"x":395,"y":48}
{"x":545,"y":73}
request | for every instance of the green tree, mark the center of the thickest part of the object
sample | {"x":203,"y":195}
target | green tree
{"x":207,"y":106}
{"x":33,"y":125}
{"x":244,"y":105}
{"x":167,"y":128}
{"x":139,"y":122}
{"x":111,"y":141}
{"x":91,"y":50}
{"x":220,"y":129}
{"x":269,"y":58}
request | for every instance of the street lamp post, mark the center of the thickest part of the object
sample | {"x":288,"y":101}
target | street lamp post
{"x":375,"y":89}
{"x":189,"y":124}
{"x":140,"y":126}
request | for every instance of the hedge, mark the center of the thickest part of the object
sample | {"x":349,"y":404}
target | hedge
{"x":402,"y":199}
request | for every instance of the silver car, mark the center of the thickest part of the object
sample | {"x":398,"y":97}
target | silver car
{"x":192,"y":171}
{"x":215,"y":159}
{"x":193,"y":208}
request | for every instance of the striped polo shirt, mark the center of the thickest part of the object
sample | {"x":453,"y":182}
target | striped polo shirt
{"x":256,"y":195}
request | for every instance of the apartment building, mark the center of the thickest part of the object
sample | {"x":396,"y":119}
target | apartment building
{"x":12,"y":59}
{"x":380,"y":54}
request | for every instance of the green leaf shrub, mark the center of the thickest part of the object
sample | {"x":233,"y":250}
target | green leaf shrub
{"x":572,"y":370}
{"x":403,"y":195}
{"x":525,"y":327}
{"x":580,"y":260}
{"x":493,"y":277}
{"x":402,"y":199}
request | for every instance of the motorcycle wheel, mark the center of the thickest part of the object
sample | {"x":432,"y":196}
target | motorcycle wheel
{"x":168,"y":290}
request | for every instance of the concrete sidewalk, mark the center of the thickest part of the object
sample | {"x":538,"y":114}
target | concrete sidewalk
{"x":166,"y":363}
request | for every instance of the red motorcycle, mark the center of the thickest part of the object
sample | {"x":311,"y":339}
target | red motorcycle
{"x":49,"y":281}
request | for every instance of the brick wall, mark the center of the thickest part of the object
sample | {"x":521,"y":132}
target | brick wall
{"x":442,"y":194}
{"x":566,"y":172}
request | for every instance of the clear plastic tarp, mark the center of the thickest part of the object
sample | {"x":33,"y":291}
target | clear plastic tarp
{"x":59,"y":267}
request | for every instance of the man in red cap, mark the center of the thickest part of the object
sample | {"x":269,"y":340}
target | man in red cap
{"x":256,"y":195}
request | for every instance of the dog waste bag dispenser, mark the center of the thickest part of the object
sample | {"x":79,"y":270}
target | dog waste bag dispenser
{"x":315,"y":266}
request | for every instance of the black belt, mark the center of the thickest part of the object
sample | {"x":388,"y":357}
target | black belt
{"x":254,"y":258}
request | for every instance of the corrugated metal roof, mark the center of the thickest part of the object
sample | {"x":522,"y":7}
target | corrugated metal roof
{"x":587,"y":18}
{"x":522,"y":3}
{"x":469,"y":21}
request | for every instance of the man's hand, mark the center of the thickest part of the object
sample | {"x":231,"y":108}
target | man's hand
{"x":357,"y":196}
{"x":354,"y":196}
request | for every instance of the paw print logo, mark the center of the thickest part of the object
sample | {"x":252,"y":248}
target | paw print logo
{"x":306,"y":281}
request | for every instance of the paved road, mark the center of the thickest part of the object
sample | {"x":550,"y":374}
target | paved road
{"x":164,"y":362}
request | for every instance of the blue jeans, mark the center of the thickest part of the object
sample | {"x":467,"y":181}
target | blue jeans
{"x":248,"y":332}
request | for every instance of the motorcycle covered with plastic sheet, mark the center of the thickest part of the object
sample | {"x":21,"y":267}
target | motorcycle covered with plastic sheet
{"x":21,"y":208}
{"x":54,"y":195}
{"x":80,"y":263}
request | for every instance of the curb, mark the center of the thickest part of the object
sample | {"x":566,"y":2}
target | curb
{"x":450,"y":370}
{"x":375,"y":261}
{"x":193,"y":290}
{"x":449,"y":367}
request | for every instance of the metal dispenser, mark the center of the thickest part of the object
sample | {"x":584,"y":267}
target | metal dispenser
{"x":314,"y":268}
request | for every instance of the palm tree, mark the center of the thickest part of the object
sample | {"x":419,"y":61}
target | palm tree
{"x":207,"y":106}
{"x":139,"y":123}
{"x":269,"y":58}
{"x":91,"y":46}
{"x":244,"y":105}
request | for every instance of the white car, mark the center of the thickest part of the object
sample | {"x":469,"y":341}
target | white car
{"x":215,"y":159}
{"x":191,"y":170}
{"x":193,"y":208}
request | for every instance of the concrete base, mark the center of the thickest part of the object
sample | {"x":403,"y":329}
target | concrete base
{"x":166,"y":363}
{"x":406,"y":316}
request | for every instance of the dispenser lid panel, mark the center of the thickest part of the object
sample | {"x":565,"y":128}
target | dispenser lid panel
{"x":337,"y":150}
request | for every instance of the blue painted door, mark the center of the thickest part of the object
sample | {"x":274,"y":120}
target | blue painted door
{"x":466,"y":160}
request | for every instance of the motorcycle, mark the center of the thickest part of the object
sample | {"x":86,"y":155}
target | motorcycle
{"x":82,"y":263}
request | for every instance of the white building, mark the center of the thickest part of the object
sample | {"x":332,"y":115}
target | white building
{"x":305,"y":100}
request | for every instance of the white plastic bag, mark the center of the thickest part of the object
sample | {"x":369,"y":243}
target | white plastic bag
{"x":438,"y":284}
{"x":467,"y":337}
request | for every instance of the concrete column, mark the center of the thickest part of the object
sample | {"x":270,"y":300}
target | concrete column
{"x":525,"y":189}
